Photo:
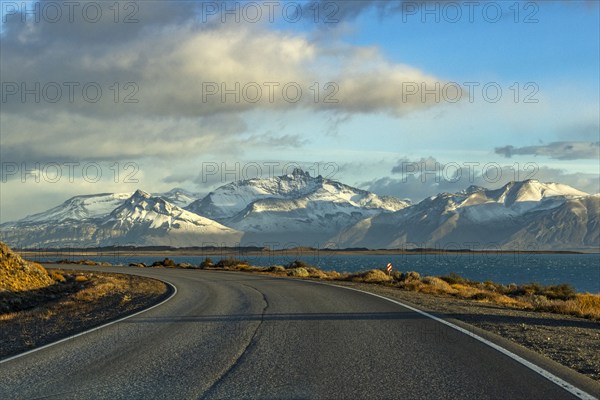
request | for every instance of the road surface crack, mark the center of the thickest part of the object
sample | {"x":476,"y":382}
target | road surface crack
{"x":249,"y":345}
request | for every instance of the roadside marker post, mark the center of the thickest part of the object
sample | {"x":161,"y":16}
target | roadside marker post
{"x":389,"y":268}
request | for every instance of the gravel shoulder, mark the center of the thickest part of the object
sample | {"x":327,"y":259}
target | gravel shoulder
{"x":83,"y":301}
{"x":571,"y":341}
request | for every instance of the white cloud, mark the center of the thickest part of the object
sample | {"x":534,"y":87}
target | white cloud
{"x":167,"y":62}
{"x":557,"y":150}
{"x":417,"y":179}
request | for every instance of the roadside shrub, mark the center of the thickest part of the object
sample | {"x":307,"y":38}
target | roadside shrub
{"x":334,"y":275}
{"x":464,"y":291}
{"x":396,"y":275}
{"x":167,"y":262}
{"x":57,"y":277}
{"x":207,"y":263}
{"x":371,"y":276}
{"x":493,"y":287}
{"x":138,"y":265}
{"x":316,"y":273}
{"x":410,"y":276}
{"x":559,"y":292}
{"x":552,"y":292}
{"x":528,"y":289}
{"x":587,"y":305}
{"x":230,"y":263}
{"x":299,"y":264}
{"x":436,"y":285}
{"x":278,"y":269}
{"x":81,"y":278}
{"x":298,"y":272}
{"x":484,"y":296}
{"x":454,"y":278}
{"x":583,"y":305}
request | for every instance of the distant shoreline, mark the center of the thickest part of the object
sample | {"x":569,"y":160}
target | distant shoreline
{"x":256,"y":251}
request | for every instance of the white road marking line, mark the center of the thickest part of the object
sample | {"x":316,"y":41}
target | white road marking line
{"x":548,"y":375}
{"x":96,"y":328}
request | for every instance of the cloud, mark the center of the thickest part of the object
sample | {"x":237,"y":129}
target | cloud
{"x":158,"y":86}
{"x":349,"y":10}
{"x":425,"y":177}
{"x":555,"y":150}
{"x":344,"y":10}
{"x":187,"y":72}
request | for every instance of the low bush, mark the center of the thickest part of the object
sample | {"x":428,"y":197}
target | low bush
{"x":278,"y":269}
{"x":230,"y":263}
{"x":454,"y":278}
{"x":371,"y":276}
{"x":552,"y":292}
{"x":397,"y":275}
{"x":436,"y":286}
{"x":410,"y":276}
{"x":167,"y":262}
{"x":298,"y":272}
{"x":299,"y":264}
{"x":207,"y":263}
{"x":57,"y":277}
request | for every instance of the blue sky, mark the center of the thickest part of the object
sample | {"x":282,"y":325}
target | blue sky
{"x":170,"y":134}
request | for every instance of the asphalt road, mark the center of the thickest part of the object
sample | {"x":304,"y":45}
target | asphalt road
{"x":232,"y":335}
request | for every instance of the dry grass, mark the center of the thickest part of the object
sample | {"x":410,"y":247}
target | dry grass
{"x":371,"y":276}
{"x":18,"y":275}
{"x":81,"y":301}
{"x":584,"y":305}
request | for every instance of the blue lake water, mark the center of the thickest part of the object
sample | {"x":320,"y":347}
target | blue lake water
{"x":580,"y":270}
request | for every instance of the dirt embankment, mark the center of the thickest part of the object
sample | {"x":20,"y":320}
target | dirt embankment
{"x":39,"y":306}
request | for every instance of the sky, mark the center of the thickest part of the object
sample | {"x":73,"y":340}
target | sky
{"x":402,"y":98}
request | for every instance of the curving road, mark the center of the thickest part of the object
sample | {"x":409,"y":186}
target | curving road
{"x":233,"y":335}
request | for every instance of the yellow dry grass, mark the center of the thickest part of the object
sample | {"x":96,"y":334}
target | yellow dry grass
{"x":18,"y":275}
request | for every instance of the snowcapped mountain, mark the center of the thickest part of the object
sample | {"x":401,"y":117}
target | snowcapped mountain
{"x":517,"y":215}
{"x":180,"y":197}
{"x":300,"y":210}
{"x":80,"y":208}
{"x":93,"y":206}
{"x":294,"y":208}
{"x":139,"y":219}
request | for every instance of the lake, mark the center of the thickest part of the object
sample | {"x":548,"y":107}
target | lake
{"x":580,"y":270}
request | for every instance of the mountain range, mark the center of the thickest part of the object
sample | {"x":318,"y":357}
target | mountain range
{"x":300,"y":210}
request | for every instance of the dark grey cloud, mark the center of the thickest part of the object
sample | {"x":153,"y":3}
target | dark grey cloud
{"x":151,"y":74}
{"x":417,"y":179}
{"x":556,"y":150}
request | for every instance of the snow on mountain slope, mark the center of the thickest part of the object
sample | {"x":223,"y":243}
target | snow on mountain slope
{"x":229,"y":200}
{"x":298,"y":209}
{"x":574,"y":225}
{"x":80,"y":208}
{"x":294,"y":207}
{"x":474,"y":215}
{"x":151,"y":220}
{"x":96,"y":206}
{"x":180,"y":197}
{"x":513,"y":199}
{"x":141,"y":220}
{"x":305,"y":221}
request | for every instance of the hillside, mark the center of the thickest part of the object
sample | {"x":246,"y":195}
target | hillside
{"x":520,"y":215}
{"x":300,"y":210}
{"x":17,"y":275}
